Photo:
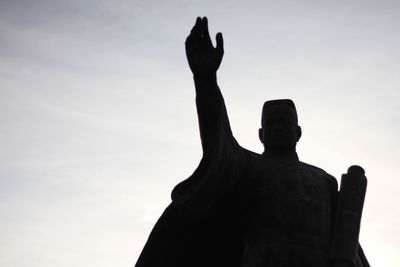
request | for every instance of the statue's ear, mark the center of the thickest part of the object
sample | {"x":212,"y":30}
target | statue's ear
{"x":260,"y":135}
{"x":298,"y":133}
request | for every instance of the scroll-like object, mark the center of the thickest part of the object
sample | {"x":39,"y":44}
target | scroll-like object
{"x":350,"y":204}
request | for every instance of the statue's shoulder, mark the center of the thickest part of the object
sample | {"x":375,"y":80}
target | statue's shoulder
{"x":314,"y":169}
{"x":252,"y":157}
{"x":319,"y":172}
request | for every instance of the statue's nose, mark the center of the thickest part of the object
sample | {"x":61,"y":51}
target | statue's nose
{"x":276,"y":127}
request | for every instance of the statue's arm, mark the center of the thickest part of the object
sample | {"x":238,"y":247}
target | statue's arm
{"x":204,"y":60}
{"x":215,"y":130}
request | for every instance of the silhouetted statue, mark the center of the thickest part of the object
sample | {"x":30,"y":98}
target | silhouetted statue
{"x":243,"y":209}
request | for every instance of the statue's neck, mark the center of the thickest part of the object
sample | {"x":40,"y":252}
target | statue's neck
{"x":281,"y":154}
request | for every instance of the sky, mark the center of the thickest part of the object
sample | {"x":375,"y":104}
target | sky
{"x":98,"y":120}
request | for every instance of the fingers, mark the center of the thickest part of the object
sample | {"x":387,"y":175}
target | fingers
{"x":200,"y":35}
{"x":200,"y":30}
{"x":206,"y":34}
{"x":220,"y":43}
{"x":195,"y":33}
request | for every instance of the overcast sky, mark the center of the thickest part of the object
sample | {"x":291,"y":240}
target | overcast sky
{"x":98,"y":120}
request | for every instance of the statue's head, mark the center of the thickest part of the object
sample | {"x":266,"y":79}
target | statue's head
{"x":279,"y":125}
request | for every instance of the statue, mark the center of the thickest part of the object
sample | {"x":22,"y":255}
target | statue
{"x":243,"y":209}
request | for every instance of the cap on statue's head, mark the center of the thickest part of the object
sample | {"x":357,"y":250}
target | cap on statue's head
{"x":279,"y":107}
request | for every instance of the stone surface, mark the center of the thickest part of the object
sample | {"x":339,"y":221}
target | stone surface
{"x":240,"y":208}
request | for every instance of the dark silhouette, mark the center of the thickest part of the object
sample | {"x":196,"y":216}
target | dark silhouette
{"x":240,"y":208}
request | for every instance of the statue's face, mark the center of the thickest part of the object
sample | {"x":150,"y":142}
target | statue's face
{"x":280,"y":129}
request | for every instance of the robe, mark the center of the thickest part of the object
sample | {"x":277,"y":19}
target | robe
{"x":240,"y":208}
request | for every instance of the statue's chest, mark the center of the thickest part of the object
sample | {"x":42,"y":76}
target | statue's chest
{"x":288,"y":196}
{"x":291,"y":181}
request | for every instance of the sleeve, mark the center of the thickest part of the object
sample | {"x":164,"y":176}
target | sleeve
{"x":193,"y":231}
{"x":223,"y":160}
{"x":165,"y":241}
{"x":215,"y":130}
{"x":361,"y":259}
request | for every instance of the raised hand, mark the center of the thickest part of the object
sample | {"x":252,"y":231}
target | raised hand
{"x":204,"y":59}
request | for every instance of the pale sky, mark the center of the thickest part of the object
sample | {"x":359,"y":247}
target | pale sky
{"x":99,"y":121}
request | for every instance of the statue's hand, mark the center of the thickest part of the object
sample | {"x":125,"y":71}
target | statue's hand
{"x":204,"y":59}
